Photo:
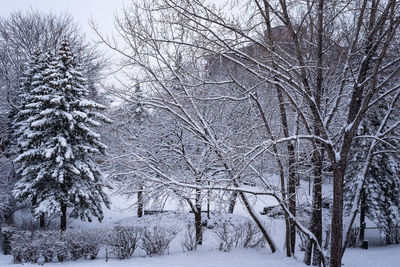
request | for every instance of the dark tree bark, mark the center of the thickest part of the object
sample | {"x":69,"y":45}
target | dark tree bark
{"x":316,"y":216}
{"x":316,"y":226}
{"x":312,"y":255}
{"x":42,"y":221}
{"x":337,"y":216}
{"x":197,"y":218}
{"x":232,"y":202}
{"x":63,"y":218}
{"x":362,"y":215}
{"x":140,"y":202}
{"x":291,"y":188}
{"x":208,"y":201}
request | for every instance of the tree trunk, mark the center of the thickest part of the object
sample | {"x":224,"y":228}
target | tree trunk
{"x":362,"y":215}
{"x":208,"y":201}
{"x":63,"y":222}
{"x":291,"y":188}
{"x":308,"y":252}
{"x":232,"y":202}
{"x":140,"y":202}
{"x":197,"y":218}
{"x":316,"y":215}
{"x":41,"y":216}
{"x":337,"y":216}
{"x":316,"y":226}
{"x":42,"y":222}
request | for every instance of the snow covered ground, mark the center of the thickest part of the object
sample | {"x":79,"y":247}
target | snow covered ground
{"x":235,"y":258}
{"x":208,"y":255}
{"x":374,"y":257}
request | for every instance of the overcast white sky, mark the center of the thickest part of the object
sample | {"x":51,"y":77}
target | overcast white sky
{"x":101,"y":10}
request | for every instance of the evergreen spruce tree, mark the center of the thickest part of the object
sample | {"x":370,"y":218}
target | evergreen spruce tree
{"x":26,"y":111}
{"x":380,"y":199}
{"x":56,"y":162}
{"x":19,"y":115}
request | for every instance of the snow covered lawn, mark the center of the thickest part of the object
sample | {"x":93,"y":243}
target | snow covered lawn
{"x":235,"y":258}
{"x":374,"y":257}
{"x":386,"y":256}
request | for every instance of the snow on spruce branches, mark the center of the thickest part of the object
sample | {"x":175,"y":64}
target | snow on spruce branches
{"x":53,"y":128}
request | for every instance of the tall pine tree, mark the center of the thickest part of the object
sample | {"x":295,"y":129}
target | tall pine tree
{"x":56,"y":164}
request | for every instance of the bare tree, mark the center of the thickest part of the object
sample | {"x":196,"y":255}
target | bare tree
{"x":327,"y":63}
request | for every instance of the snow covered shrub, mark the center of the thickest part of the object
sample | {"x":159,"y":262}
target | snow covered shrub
{"x":228,"y":234}
{"x":7,"y":233}
{"x":93,"y":241}
{"x":83,"y":243}
{"x":156,"y":240}
{"x":60,"y":246}
{"x":76,"y":243}
{"x":123,"y":240}
{"x":236,"y":231}
{"x":189,"y":241}
{"x":24,"y":248}
{"x":71,"y":244}
{"x":252,"y":236}
{"x":44,"y":242}
{"x":17,"y":248}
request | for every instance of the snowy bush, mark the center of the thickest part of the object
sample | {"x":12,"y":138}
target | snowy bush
{"x":252,"y":236}
{"x":71,"y":244}
{"x":237,"y":232}
{"x":123,"y":240}
{"x":228,"y":235}
{"x":189,"y":241}
{"x":23,"y":247}
{"x":44,"y":243}
{"x":7,"y":233}
{"x":94,"y":240}
{"x":83,"y":243}
{"x":60,"y":246}
{"x":155,"y":240}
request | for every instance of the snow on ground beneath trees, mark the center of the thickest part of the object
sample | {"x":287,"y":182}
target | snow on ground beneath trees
{"x":388,"y":256}
{"x":235,"y":258}
{"x":123,"y":212}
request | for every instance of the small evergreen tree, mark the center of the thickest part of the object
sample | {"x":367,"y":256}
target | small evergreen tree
{"x":56,"y":163}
